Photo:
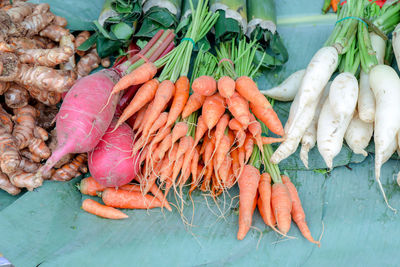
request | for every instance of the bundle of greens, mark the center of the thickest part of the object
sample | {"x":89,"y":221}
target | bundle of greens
{"x":158,"y":15}
{"x":262,"y":27}
{"x":232,"y":21}
{"x":114,"y":27}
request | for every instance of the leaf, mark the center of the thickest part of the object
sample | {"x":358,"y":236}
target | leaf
{"x":106,"y":47}
{"x":122,"y":31}
{"x":88,"y":43}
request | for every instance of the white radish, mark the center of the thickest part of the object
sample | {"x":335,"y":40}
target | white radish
{"x":379,"y":46}
{"x":318,"y":73}
{"x":358,"y":135}
{"x":366,"y":99}
{"x":310,"y":136}
{"x":287,"y":90}
{"x":343,"y":95}
{"x":332,"y":125}
{"x":385,"y":83}
{"x":396,"y":43}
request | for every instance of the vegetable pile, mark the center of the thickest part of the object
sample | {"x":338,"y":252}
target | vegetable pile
{"x":360,"y":101}
{"x":37,"y":66}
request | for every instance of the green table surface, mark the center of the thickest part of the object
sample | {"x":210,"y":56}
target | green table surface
{"x":47,"y":227}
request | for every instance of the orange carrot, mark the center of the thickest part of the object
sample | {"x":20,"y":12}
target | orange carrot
{"x":177,"y":168}
{"x":154,"y":190}
{"x":226,"y":86}
{"x":248,"y":184}
{"x":264,"y":201}
{"x":298,"y":214}
{"x":182,"y":86}
{"x":248,"y":89}
{"x":160,"y":136}
{"x":269,"y":140}
{"x":163,"y":147}
{"x":138,"y":76}
{"x":164,"y":93}
{"x":196,"y":179}
{"x":89,"y":186}
{"x":281,"y":206}
{"x":91,"y":206}
{"x":204,"y":85}
{"x":223,"y":171}
{"x":128,"y":199}
{"x":194,"y":163}
{"x":239,"y":107}
{"x":139,"y":118}
{"x":220,"y":129}
{"x":200,"y":130}
{"x":235,"y":162}
{"x":143,"y":140}
{"x":168,"y":167}
{"x":145,"y":118}
{"x":207,"y":178}
{"x":187,"y":146}
{"x":269,"y":118}
{"x":248,"y":146}
{"x":334,"y":4}
{"x":194,"y":103}
{"x":143,"y":96}
{"x":255,"y":130}
{"x":235,"y":125}
{"x":180,"y":130}
{"x":242,"y":158}
{"x":222,"y":151}
{"x":213,"y":109}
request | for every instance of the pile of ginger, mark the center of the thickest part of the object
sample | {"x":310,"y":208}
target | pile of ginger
{"x":37,"y":66}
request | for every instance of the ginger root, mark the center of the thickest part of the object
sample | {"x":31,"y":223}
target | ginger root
{"x":68,"y":41}
{"x":41,"y":133}
{"x":106,"y":62}
{"x":38,"y":147}
{"x":25,"y":179}
{"x":9,"y":155}
{"x":88,"y":63}
{"x":47,"y":115}
{"x":54,"y":32}
{"x":16,"y":96}
{"x":28,"y":166}
{"x":7,"y":186}
{"x":80,"y":39}
{"x":24,"y":119}
{"x":26,"y":43}
{"x":53,"y":145}
{"x":70,"y":170}
{"x":60,"y":21}
{"x":4,"y":87}
{"x":46,"y":57}
{"x":46,"y":97}
{"x":34,"y":23}
{"x":20,"y":10}
{"x":27,"y":154}
{"x":5,"y":121}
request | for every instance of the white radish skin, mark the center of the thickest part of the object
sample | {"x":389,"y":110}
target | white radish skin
{"x":366,"y":100}
{"x":379,"y":46}
{"x":318,"y":73}
{"x":385,"y":84}
{"x":358,"y":135}
{"x":309,"y":138}
{"x":396,"y":43}
{"x":343,"y":95}
{"x":287,"y":90}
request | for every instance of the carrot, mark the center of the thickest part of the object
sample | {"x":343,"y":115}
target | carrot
{"x":248,"y":146}
{"x":196,"y":179}
{"x":168,"y":167}
{"x":223,"y":171}
{"x":194,"y":103}
{"x":89,"y":186}
{"x":248,"y":184}
{"x":235,"y":162}
{"x":188,"y":141}
{"x":145,"y":118}
{"x":200,"y":130}
{"x":182,"y":86}
{"x":264,"y":201}
{"x":138,"y":76}
{"x":220,"y":129}
{"x":207,"y":178}
{"x":248,"y":89}
{"x":163,"y":147}
{"x":226,"y":86}
{"x":91,"y":206}
{"x":185,"y":144}
{"x":177,"y":168}
{"x":159,"y":122}
{"x":213,"y":109}
{"x":143,"y":96}
{"x":235,"y":125}
{"x":298,"y":214}
{"x":281,"y":206}
{"x":334,"y":4}
{"x":194,"y":163}
{"x":242,"y":158}
{"x":269,"y":140}
{"x":255,"y":130}
{"x":128,"y":199}
{"x":139,"y":117}
{"x":154,"y":190}
{"x":222,"y":151}
{"x":179,"y":131}
{"x":164,"y":93}
{"x":269,"y":118}
{"x":204,"y":85}
{"x":239,"y":107}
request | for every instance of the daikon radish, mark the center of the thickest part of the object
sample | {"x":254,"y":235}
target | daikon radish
{"x":358,"y":135}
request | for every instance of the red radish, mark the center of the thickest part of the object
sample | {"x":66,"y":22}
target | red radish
{"x":111,"y":163}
